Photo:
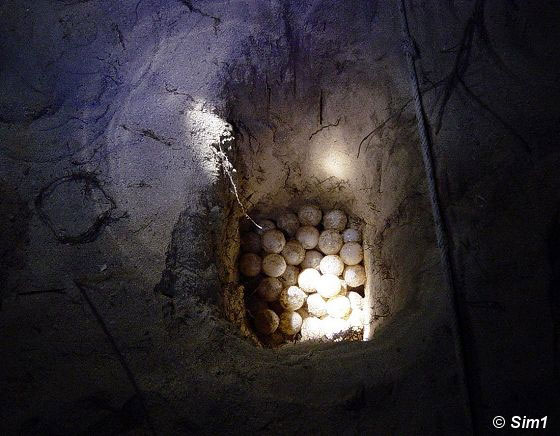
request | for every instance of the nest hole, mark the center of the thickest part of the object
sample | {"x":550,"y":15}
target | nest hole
{"x":302,"y":290}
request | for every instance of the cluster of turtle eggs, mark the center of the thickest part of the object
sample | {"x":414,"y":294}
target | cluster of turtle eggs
{"x":307,"y":270}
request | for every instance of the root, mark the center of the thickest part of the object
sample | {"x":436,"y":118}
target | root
{"x":229,"y":170}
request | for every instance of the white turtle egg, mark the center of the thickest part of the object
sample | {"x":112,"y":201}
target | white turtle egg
{"x":312,"y":259}
{"x":251,"y":242}
{"x":328,"y":285}
{"x":292,"y":298}
{"x":355,"y":300}
{"x":290,"y":322}
{"x":308,"y":236}
{"x":356,"y":318}
{"x":266,"y":321}
{"x":311,"y":329}
{"x":351,"y":253}
{"x":290,"y":276}
{"x":308,"y":280}
{"x":351,"y":235}
{"x":331,"y":264}
{"x":316,"y":305}
{"x":273,"y":241}
{"x":330,"y":241}
{"x":250,"y":264}
{"x":335,"y":219}
{"x":269,"y":289}
{"x":293,"y":252}
{"x":288,"y":222}
{"x":309,"y":215}
{"x":266,"y":225}
{"x":354,"y":275}
{"x":338,"y":307}
{"x":273,"y":265}
{"x":334,"y":326}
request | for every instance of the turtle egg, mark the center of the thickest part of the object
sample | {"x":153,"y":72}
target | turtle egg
{"x":308,"y":236}
{"x":356,"y":318}
{"x":276,"y":307}
{"x":269,"y":289}
{"x":332,"y":327}
{"x":290,"y":323}
{"x":330,"y":242}
{"x":328,"y":286}
{"x":255,"y":304}
{"x":312,"y":259}
{"x":290,"y":276}
{"x":274,"y":340}
{"x":351,"y":253}
{"x":354,"y":275}
{"x":331,"y":264}
{"x":351,"y":235}
{"x":311,"y":329}
{"x":335,"y":219}
{"x":266,"y":321}
{"x":308,"y":280}
{"x":309,"y":215}
{"x":288,"y":222}
{"x":273,"y":241}
{"x":316,"y":305}
{"x":293,"y":252}
{"x":273,"y":265}
{"x":266,"y":225}
{"x":355,"y":300}
{"x":338,"y":307}
{"x":292,"y":298}
{"x":251,"y":243}
{"x":250,"y":264}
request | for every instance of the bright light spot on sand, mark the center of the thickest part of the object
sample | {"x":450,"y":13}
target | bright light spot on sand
{"x":204,"y":124}
{"x":337,"y":164}
{"x":206,"y":129}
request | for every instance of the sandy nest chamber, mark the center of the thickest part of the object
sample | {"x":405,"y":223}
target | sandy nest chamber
{"x":281,"y":158}
{"x":295,"y":267}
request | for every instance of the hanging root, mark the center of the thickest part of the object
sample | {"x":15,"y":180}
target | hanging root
{"x":228,"y":169}
{"x":441,"y":230}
